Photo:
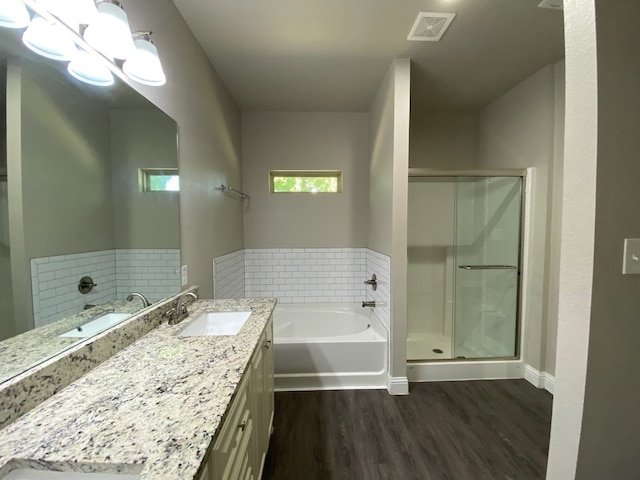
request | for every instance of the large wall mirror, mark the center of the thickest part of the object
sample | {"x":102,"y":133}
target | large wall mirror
{"x":87,"y":189}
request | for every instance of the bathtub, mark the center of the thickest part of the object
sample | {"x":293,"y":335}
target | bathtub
{"x":328,"y":346}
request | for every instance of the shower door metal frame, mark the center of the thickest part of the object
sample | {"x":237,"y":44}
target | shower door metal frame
{"x":507,"y":172}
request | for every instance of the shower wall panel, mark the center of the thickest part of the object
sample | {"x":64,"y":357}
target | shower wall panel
{"x":430,"y":250}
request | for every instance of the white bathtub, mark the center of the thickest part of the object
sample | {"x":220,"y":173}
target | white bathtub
{"x":328,"y":346}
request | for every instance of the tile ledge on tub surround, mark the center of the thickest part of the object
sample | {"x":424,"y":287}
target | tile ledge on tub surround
{"x":25,"y":391}
{"x":155,"y":407}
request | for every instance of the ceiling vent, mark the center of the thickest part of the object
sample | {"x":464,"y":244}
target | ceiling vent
{"x":430,"y":26}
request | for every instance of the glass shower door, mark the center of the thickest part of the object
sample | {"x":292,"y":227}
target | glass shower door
{"x":487,"y":266}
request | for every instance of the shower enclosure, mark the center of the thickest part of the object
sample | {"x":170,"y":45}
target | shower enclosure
{"x":464,"y":243}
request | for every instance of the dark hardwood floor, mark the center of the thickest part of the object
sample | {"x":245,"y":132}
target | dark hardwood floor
{"x":482,"y":430}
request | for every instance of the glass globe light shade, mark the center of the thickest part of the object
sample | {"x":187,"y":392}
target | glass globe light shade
{"x":143,"y":66}
{"x":109,"y":32}
{"x":14,"y":14}
{"x":48,"y":40}
{"x":89,"y":69}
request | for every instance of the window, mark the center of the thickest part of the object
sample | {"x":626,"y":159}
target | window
{"x":303,"y":181}
{"x":158,"y":180}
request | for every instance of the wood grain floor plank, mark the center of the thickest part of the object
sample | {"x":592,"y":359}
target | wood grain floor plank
{"x":481,"y":430}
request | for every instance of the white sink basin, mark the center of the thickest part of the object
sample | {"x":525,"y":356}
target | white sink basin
{"x":29,"y":474}
{"x":96,"y":325}
{"x":216,"y":323}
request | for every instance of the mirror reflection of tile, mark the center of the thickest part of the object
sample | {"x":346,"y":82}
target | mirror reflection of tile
{"x":117,"y":272}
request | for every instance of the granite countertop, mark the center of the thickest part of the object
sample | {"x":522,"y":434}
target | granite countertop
{"x":154,"y":408}
{"x":23,"y":351}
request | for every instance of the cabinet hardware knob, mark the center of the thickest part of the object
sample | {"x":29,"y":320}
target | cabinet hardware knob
{"x":243,"y":425}
{"x":267,"y":344}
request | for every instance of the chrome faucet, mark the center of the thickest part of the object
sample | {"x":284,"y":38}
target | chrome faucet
{"x":144,"y":299}
{"x":371,"y":303}
{"x":180,"y":312}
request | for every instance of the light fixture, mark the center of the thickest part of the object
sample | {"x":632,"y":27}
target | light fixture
{"x":95,"y":56}
{"x":14,"y":14}
{"x":48,"y":39}
{"x":109,"y":31}
{"x":90,"y":69}
{"x":143,"y":65}
{"x":72,"y":12}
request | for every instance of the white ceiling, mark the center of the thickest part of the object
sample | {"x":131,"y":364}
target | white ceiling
{"x":331,"y":55}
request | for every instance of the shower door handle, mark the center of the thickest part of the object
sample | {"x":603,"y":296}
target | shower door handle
{"x":488,"y":267}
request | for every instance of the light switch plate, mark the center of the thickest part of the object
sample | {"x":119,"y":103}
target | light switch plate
{"x":631,"y":257}
{"x":184,"y":274}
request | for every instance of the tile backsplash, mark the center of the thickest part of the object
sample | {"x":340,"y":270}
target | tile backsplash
{"x":54,"y":280}
{"x":228,"y":275}
{"x":155,"y":273}
{"x":306,"y":275}
{"x":54,"y":283}
{"x":380,"y":264}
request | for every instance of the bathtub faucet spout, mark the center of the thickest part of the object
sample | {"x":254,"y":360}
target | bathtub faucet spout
{"x":371,"y":303}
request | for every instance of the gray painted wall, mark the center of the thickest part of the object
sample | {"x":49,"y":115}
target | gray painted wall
{"x":577,"y":240}
{"x":554,"y":223}
{"x":23,"y":317}
{"x":209,"y":150}
{"x":611,"y":423}
{"x":306,"y":141}
{"x":381,"y":129}
{"x":443,"y":140}
{"x":60,"y":198}
{"x":388,"y":200}
{"x":7,"y":327}
{"x":66,"y":183}
{"x":517,"y":131}
{"x":401,"y":120}
{"x":143,"y":139}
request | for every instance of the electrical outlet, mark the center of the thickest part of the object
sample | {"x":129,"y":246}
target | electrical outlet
{"x":184,"y":274}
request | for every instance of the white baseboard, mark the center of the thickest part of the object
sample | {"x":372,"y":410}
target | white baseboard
{"x":460,"y":371}
{"x":398,"y":386}
{"x":540,"y":379}
{"x":335,"y":381}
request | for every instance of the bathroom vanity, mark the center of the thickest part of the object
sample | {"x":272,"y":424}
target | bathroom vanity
{"x":167,"y":407}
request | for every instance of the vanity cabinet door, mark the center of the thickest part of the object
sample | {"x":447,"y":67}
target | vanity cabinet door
{"x":227,"y":451}
{"x":245,"y":454}
{"x":269,"y":402}
{"x":240,"y":451}
{"x":263,"y":394}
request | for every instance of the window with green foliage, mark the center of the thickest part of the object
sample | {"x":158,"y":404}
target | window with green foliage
{"x":301,"y":181}
{"x":158,"y":180}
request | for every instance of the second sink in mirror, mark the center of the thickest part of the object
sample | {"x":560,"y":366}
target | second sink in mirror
{"x":96,"y":325}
